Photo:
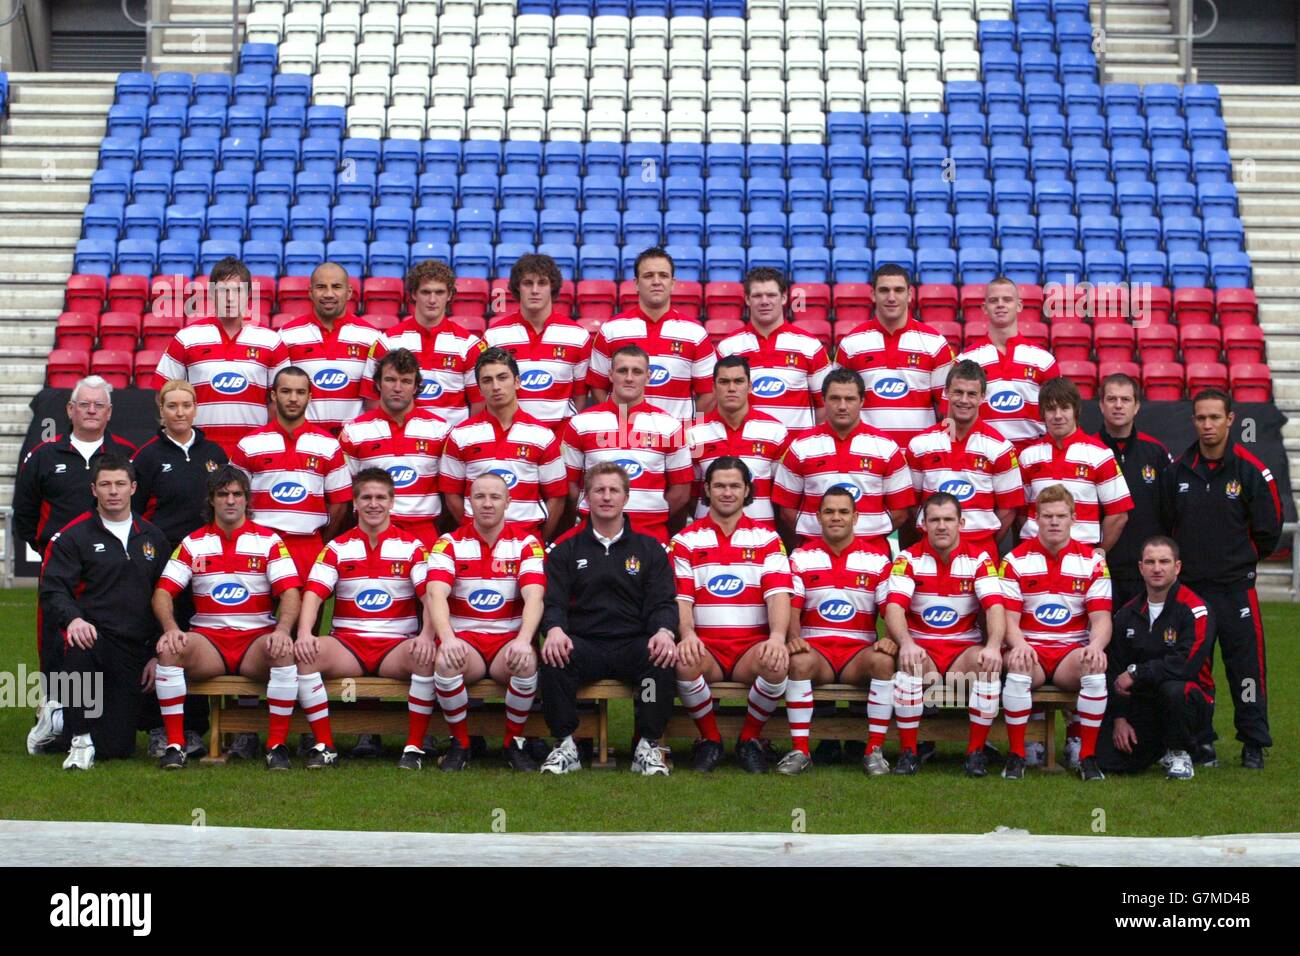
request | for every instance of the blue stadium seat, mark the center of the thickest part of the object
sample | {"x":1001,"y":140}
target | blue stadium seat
{"x":143,"y":221}
{"x":1092,"y":162}
{"x":889,"y":194}
{"x":1212,"y":166}
{"x":287,"y":89}
{"x":394,"y":224}
{"x":684,"y":227}
{"x":764,"y":160}
{"x":178,"y":256}
{"x":396,"y":189}
{"x":252,"y":89}
{"x":642,"y":227}
{"x":157,"y":152}
{"x":848,"y":194}
{"x":257,"y":58}
{"x":602,"y":191}
{"x":1063,"y":266}
{"x":350,"y":254}
{"x":643,"y":194}
{"x":1038,"y":67}
{"x":350,"y":223}
{"x":886,"y":161}
{"x":113,"y":186}
{"x":643,"y":158}
{"x":1166,"y":132}
{"x":560,"y":191}
{"x":929,"y":129}
{"x":1095,"y":198}
{"x":771,"y":257}
{"x":1104,"y":265}
{"x":1008,"y":162}
{"x":928,"y":162}
{"x":443,"y":156}
{"x":185,"y":222}
{"x":725,"y":159}
{"x":1161,"y":99}
{"x":598,"y":261}
{"x":847,"y":128}
{"x":998,"y":66}
{"x":933,"y":231}
{"x":246,"y":121}
{"x":309,"y":222}
{"x":263,"y":258}
{"x":1207,"y":132}
{"x":896,"y":255}
{"x":1136,"y":199}
{"x":232,"y":186}
{"x":890,"y":229}
{"x":402,"y":156}
{"x":934,"y":266}
{"x":360,"y":154}
{"x":1098,"y":232}
{"x":807,"y":160}
{"x":95,"y":257}
{"x":227,"y":222}
{"x":1057,"y":232}
{"x":241,"y":153}
{"x":127,"y":121}
{"x":274,"y":188}
{"x":1008,"y":129}
{"x":558,"y":226}
{"x":963,"y":95}
{"x":433,"y":224}
{"x":973,"y":230}
{"x":1189,"y":269}
{"x":997,"y":36}
{"x":1044,"y":96}
{"x":1073,"y":35}
{"x":481,"y":157}
{"x":1036,"y":36}
{"x":1014,"y":196}
{"x":387,"y":259}
{"x":1119,"y":99}
{"x":1201,"y":100}
{"x":479,"y":189}
{"x":134,"y":89}
{"x":267,"y":223}
{"x":979,"y":265}
{"x":326,"y":121}
{"x":812,"y":265}
{"x":1171,"y":165}
{"x":152,"y":185}
{"x":603,"y":159}
{"x":1088,"y":129}
{"x":1077,"y":66}
{"x":689,"y":261}
{"x":685,"y":159}
{"x":1176,"y":199}
{"x":1126,"y":131}
{"x":557,"y":158}
{"x":1131,"y":165}
{"x":422,"y":251}
{"x":475,"y":225}
{"x":931,"y":196}
{"x":523,"y":158}
{"x":766,"y":194}
{"x":1217,"y":199}
{"x":601,"y":226}
{"x":1054,"y":197}
{"x":520,"y":191}
{"x":1140,"y":233}
{"x":200,"y":153}
{"x":1231,"y":270}
{"x":808,"y":194}
{"x":683,"y":193}
{"x":441,"y":189}
{"x":1046,"y":129}
{"x":213,"y":251}
{"x":851,"y":264}
{"x":1016,"y":231}
{"x":1181,"y":234}
{"x":206,"y":120}
{"x":850,"y":229}
{"x":1150,"y":266}
{"x":627,"y":260}
{"x":970,"y":195}
{"x":764,"y":228}
{"x":1049,"y":162}
{"x":101,"y":221}
{"x":173,"y":88}
{"x":280,"y":155}
{"x":286,"y":121}
{"x":724,"y":263}
{"x":808,"y":228}
{"x":302,"y":257}
{"x":886,"y":129}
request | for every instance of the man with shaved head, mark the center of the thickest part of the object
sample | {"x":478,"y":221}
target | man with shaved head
{"x":331,"y":345}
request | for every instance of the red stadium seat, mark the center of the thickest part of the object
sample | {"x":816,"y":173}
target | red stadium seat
{"x":281,"y":319}
{"x":293,"y":294}
{"x":811,"y":300}
{"x":471,"y":297}
{"x":1251,"y":382}
{"x":1236,"y":307}
{"x":937,"y":303}
{"x":1114,"y":342}
{"x":688,"y":297}
{"x":499,"y":302}
{"x":1130,"y":369}
{"x":76,"y":330}
{"x":596,"y":298}
{"x":592,"y":325}
{"x":128,"y":293}
{"x":1031,"y":302}
{"x":263,"y":291}
{"x":1082,"y":374}
{"x":1035,"y":332}
{"x":383,"y":321}
{"x":971,"y":299}
{"x":819,"y":329}
{"x":1200,"y":343}
{"x":1162,"y":381}
{"x":950,"y":331}
{"x":260,"y":315}
{"x":853,"y":302}
{"x":65,"y":366}
{"x":1150,"y":305}
{"x":85,"y":293}
{"x":1201,"y":375}
{"x":1157,"y":343}
{"x":567,"y":297}
{"x":627,"y":295}
{"x":157,"y":331}
{"x":1108,"y":302}
{"x":1071,"y":341}
{"x":167,"y":295}
{"x":472,"y":323}
{"x":146,"y":363}
{"x":974,"y":330}
{"x":383,"y":295}
{"x":119,"y":331}
{"x":1243,"y":343}
{"x":719,"y":329}
{"x":724,"y":300}
{"x":1194,"y":306}
{"x":116,"y":366}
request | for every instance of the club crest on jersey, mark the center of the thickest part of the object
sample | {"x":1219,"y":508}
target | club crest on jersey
{"x":229,"y":383}
{"x":632,"y":565}
{"x":288,"y":493}
{"x":1052,"y":615}
{"x":980,"y":463}
{"x":724,"y":585}
{"x":251,"y":352}
{"x":1149,"y":474}
{"x":959,"y":488}
{"x":966,"y":586}
{"x":421,"y":446}
{"x":354,"y":351}
{"x":890,"y":389}
{"x":373,"y":600}
{"x":312,"y":462}
{"x":747,"y":554}
{"x":792,"y":359}
{"x":1078,"y":585}
{"x":523,"y":451}
{"x":397,"y":569}
{"x":536,"y":380}
{"x":449,"y":361}
{"x":558,"y":351}
{"x":1031,"y":374}
{"x":1233,"y":490}
{"x":149,"y":551}
{"x":658,"y":375}
{"x":769,"y":386}
{"x":836,"y":610}
{"x":1006,"y":401}
{"x":403,"y":475}
{"x":1081,"y":471}
{"x":913,"y":360}
{"x":939,"y":616}
{"x":676,"y":347}
{"x":486,"y":599}
{"x":330,"y":379}
{"x":255,"y":564}
{"x":211,"y":465}
{"x":229,"y":593}
{"x":430,"y":389}
{"x":1171,"y":636}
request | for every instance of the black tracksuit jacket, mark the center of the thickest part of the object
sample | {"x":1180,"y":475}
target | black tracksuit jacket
{"x":1179,"y":646}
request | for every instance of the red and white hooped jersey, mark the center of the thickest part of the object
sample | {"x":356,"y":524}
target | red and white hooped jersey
{"x":1055,"y":595}
{"x":446,"y":354}
{"x":681,"y":357}
{"x":786,"y":370}
{"x":1014,"y":379}
{"x":234,"y":578}
{"x":647,"y":443}
{"x":487,"y":580}
{"x":377,"y":590}
{"x":729,"y":579}
{"x":552,"y":364}
{"x":904,"y":374}
{"x":981,"y":471}
{"x":336,"y":363}
{"x":1088,"y":470}
{"x":231,"y":376}
{"x":868,"y":462}
{"x":838,"y":595}
{"x":411,"y":452}
{"x":295,"y":477}
{"x":759,"y":442}
{"x":526,"y":456}
{"x":943,"y":599}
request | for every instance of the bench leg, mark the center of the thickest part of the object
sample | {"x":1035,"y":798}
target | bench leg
{"x":602,"y":759}
{"x":215,"y":756}
{"x":1049,"y":745}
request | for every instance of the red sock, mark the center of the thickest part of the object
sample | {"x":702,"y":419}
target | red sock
{"x":320,"y":729}
{"x":175,"y":725}
{"x":1087,"y":741}
{"x":519,"y":701}
{"x":278,"y":732}
{"x":979,"y":733}
{"x":1016,"y":739}
{"x":907,"y":737}
{"x":419,"y":708}
{"x":698,"y":702}
{"x":708,"y":727}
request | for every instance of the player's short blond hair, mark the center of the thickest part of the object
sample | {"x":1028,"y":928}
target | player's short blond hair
{"x":606,"y":468}
{"x":175,"y":385}
{"x":1055,"y":494}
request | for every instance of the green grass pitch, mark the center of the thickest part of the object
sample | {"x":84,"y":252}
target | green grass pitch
{"x":374,"y":795}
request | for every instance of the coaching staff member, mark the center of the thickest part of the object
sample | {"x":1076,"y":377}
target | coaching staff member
{"x":1223,"y":509}
{"x":1159,"y":669}
{"x":96,"y":587}
{"x":610,"y":613}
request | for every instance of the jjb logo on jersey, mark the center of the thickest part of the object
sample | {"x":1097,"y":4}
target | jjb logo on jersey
{"x":535,"y":380}
{"x":632,"y":468}
{"x":230,"y":593}
{"x":724,"y":585}
{"x":374,"y":600}
{"x":506,"y":475}
{"x":851,"y":488}
{"x":229,"y":383}
{"x":330,"y":379}
{"x":431,"y":388}
{"x":890,"y":388}
{"x":939,"y":616}
{"x":486,"y":599}
{"x":1052,"y":615}
{"x":658,"y":375}
{"x":288,"y":493}
{"x":403,"y":475}
{"x":959,"y":488}
{"x":769,"y":386}
{"x":835,"y":610}
{"x":1006,"y":401}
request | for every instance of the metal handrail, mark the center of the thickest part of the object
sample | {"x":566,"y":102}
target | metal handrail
{"x":1185,"y":38}
{"x":7,"y":566}
{"x":149,"y":26}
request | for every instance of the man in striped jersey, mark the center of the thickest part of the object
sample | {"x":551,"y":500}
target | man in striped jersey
{"x":1082,"y":463}
{"x":506,"y":441}
{"x":937,"y":590}
{"x":903,"y":362}
{"x":299,"y":479}
{"x":332,"y":347}
{"x":788,"y":365}
{"x":228,"y":361}
{"x":486,"y":583}
{"x":839,"y":582}
{"x":681,"y":357}
{"x":377,"y":573}
{"x":403,"y":439}
{"x":1057,"y":595}
{"x":733,"y":598}
{"x":972,"y":462}
{"x":642,"y":438}
{"x":445,"y":350}
{"x":237,"y":572}
{"x":553,"y":351}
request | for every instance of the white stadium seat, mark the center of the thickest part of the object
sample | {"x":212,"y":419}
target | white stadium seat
{"x":454,"y":24}
{"x":687,"y":126}
{"x":496,"y":27}
{"x":920,"y":34}
{"x":884,"y":96}
{"x":528,"y":96}
{"x":646,"y":126}
{"x":609,"y":61}
{"x":649,"y":61}
{"x":845,"y":94}
{"x":647,"y":92}
{"x":726,"y":33}
{"x":806,"y":126}
{"x":804,"y":63}
{"x":453,"y":56}
{"x":921,"y":64}
{"x":534,"y":28}
{"x":606,"y":29}
{"x":960,"y":65}
{"x":606,"y":125}
{"x":331,"y":89}
{"x":769,"y":35}
{"x":882,"y":65}
{"x":371,"y":89}
{"x":351,"y":6}
{"x":765,"y":127}
{"x":688,"y":33}
{"x":685,"y":93}
{"x":649,"y":31}
{"x":411,"y":89}
{"x":572,"y":30}
{"x":924,"y":96}
{"x":493,"y":8}
{"x":300,"y":56}
{"x":841,"y":64}
{"x":843,"y":34}
{"x":993,"y":9}
{"x":375,"y":56}
{"x":879,"y":10}
{"x":804,"y":94}
{"x":485,"y":122}
{"x":489,"y":91}
{"x":526,"y":124}
{"x":369,"y":122}
{"x":958,"y":33}
{"x":687,"y":66}
{"x":566,"y":125}
{"x":568,"y":93}
{"x":302,"y":26}
{"x":607,"y":94}
{"x":278,"y":7}
{"x":812,"y":8}
{"x":415,"y":58}
{"x":406,"y":122}
{"x":880,"y":34}
{"x":532,"y":63}
{"x":960,"y":9}
{"x":314,"y":8}
{"x":725,"y":125}
{"x":765,"y":93}
{"x":569,"y":61}
{"x":493,"y":58}
{"x":923,"y":8}
{"x":460,"y":8}
{"x":341,"y":25}
{"x":449,"y":89}
{"x":444,"y":122}
{"x":263,"y":27}
{"x":765,"y":60}
{"x":725,"y":93}
{"x":419,"y":24}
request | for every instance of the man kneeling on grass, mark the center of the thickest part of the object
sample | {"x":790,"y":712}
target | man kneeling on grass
{"x":377,"y":574}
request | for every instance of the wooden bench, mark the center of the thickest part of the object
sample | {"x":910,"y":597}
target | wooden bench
{"x":389,"y":715}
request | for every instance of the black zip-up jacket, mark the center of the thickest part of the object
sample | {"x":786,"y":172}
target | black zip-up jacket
{"x":86,"y":574}
{"x":1143,"y":459}
{"x":627,"y":591}
{"x":172,"y":484}
{"x":53,"y":487}
{"x":1179,"y":646}
{"x":1224,"y":519}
